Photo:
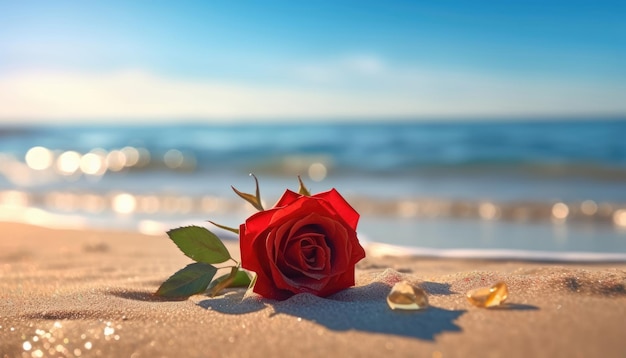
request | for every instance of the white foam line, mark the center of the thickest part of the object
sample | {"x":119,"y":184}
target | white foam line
{"x":39,"y":217}
{"x":379,"y":250}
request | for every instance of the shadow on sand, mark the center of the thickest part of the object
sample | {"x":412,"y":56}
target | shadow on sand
{"x":360,"y":308}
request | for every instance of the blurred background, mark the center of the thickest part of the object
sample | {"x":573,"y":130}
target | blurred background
{"x":497,"y":128}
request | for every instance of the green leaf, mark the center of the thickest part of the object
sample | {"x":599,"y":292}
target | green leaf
{"x":303,"y":189}
{"x":192,"y":279}
{"x":242,"y":279}
{"x":199,"y":244}
{"x":228,"y":228}
{"x":255,"y":200}
{"x":236,"y":278}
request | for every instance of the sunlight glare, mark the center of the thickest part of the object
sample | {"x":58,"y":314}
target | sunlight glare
{"x":589,"y":207}
{"x":116,"y":160}
{"x":68,"y":162}
{"x":39,"y":158}
{"x":124,"y":203}
{"x":317,"y":171}
{"x":131,"y":156}
{"x":560,"y":211}
{"x":92,"y":164}
{"x":150,"y":227}
{"x":173,"y":158}
{"x":488,"y":211}
{"x":619,"y":217}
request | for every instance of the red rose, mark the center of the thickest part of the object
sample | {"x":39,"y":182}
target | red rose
{"x":303,"y":244}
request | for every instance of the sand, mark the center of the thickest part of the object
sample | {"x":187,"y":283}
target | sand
{"x":89,"y":293}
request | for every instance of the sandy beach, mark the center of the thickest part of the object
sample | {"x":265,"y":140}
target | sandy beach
{"x":66,"y":293}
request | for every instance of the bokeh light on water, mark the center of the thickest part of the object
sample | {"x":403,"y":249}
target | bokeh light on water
{"x":406,"y":175}
{"x":52,"y":164}
{"x":39,"y":158}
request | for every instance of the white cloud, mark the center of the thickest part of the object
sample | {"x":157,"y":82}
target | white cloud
{"x":365,"y":64}
{"x":143,"y":95}
{"x":341,"y":70}
{"x":384,"y":91}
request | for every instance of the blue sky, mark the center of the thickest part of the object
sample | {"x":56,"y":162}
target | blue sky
{"x":148,"y":60}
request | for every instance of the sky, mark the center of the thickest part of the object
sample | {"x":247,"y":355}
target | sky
{"x":290,"y":60}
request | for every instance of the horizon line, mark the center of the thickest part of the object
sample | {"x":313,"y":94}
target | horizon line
{"x":263,"y":120}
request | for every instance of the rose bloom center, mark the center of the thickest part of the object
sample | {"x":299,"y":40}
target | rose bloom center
{"x":307,"y":250}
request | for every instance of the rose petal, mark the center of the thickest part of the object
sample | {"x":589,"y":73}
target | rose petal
{"x":283,"y":276}
{"x":338,"y":283}
{"x":258,"y":222}
{"x":358,"y":252}
{"x":250,"y":255}
{"x":337,"y":238}
{"x":297,"y":284}
{"x":340,"y":206}
{"x":315,"y":253}
{"x":280,"y":237}
{"x":279,"y":242}
{"x":287,"y":227}
{"x":337,"y":241}
{"x":299,"y":207}
{"x":293,"y":255}
{"x":320,"y":228}
{"x":304,"y":284}
{"x":287,"y":198}
{"x":251,"y":258}
{"x":276,"y":253}
{"x":295,"y":258}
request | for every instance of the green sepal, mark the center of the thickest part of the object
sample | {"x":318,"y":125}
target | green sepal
{"x":227,"y":228}
{"x":252,"y":281}
{"x":255,"y":200}
{"x":199,"y":244}
{"x":303,"y":189}
{"x":236,"y":278}
{"x":192,"y":279}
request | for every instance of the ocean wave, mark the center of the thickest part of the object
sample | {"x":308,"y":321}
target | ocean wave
{"x":171,"y":204}
{"x":400,"y":237}
{"x":386,"y":250}
{"x":592,"y":148}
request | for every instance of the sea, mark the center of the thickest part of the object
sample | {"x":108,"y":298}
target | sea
{"x":543,"y":189}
